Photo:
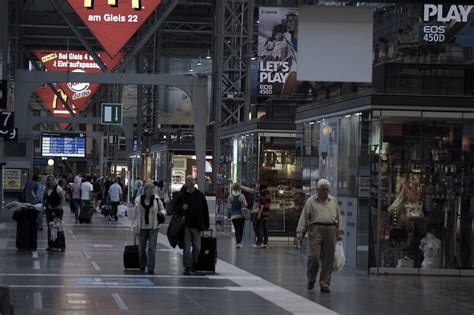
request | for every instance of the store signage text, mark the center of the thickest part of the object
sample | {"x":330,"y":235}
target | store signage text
{"x":457,"y":13}
{"x":433,"y":33}
{"x":113,"y":22}
{"x":274,"y":71}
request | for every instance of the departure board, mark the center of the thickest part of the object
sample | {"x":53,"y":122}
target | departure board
{"x":63,"y":144}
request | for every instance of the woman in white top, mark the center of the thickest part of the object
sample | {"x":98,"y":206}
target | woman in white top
{"x":145,"y":223}
{"x":76,"y":196}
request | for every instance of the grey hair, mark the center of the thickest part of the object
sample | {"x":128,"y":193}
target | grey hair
{"x":323,"y":182}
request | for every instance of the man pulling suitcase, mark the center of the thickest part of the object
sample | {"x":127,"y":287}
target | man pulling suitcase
{"x":191,"y":205}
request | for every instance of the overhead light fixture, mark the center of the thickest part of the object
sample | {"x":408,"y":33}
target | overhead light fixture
{"x":199,"y":63}
{"x":253,"y":58}
{"x":208,"y":56}
{"x":191,"y":68}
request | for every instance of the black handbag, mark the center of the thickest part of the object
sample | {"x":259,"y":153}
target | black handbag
{"x":160,"y":217}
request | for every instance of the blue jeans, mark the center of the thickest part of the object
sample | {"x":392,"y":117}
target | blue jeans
{"x":147,"y":254}
{"x":192,"y":238}
{"x":77,"y":207}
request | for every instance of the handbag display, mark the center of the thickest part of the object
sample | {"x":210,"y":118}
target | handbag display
{"x":414,"y":211}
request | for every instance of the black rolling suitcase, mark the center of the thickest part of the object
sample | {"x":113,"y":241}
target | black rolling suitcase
{"x":26,"y":229}
{"x":208,"y":255}
{"x":86,"y":214}
{"x":131,"y":258}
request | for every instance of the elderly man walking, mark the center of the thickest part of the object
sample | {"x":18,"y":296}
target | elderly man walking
{"x":321,"y":218}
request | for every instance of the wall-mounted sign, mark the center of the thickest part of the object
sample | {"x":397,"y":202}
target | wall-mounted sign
{"x":8,"y":132}
{"x":111,"y":114}
{"x":113,"y":22}
{"x":12,"y":179}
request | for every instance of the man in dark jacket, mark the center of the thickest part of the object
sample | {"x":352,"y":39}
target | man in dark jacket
{"x":191,"y":205}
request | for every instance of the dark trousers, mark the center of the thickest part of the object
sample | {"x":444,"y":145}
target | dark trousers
{"x":239,"y":229}
{"x":113,"y":208}
{"x":261,"y":231}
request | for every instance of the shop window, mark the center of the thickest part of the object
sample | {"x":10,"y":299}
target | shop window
{"x":422,"y":183}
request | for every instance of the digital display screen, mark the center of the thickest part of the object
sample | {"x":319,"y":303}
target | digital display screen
{"x":63,"y":144}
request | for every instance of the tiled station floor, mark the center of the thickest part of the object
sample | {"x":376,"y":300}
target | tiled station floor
{"x":89,"y":279}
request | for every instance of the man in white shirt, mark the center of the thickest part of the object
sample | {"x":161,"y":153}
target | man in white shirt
{"x":86,"y":193}
{"x":115,"y":195}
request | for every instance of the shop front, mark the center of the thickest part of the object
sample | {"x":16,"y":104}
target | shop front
{"x":172,"y":163}
{"x":267,"y":158}
{"x":403,"y":176}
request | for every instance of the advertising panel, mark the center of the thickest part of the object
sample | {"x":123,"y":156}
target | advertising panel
{"x":277,"y":50}
{"x":447,"y":23}
{"x":113,"y":22}
{"x":12,"y":179}
{"x":77,"y":94}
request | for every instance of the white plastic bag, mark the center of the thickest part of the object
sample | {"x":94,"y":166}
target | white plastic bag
{"x":121,"y":210}
{"x":339,"y":257}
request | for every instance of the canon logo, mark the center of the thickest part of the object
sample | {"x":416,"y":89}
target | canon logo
{"x":90,"y":3}
{"x":458,"y":13}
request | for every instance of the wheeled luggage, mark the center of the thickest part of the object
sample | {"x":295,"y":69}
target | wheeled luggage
{"x":26,"y":229}
{"x":105,"y":210}
{"x":86,"y":214}
{"x":208,"y":255}
{"x":131,"y":258}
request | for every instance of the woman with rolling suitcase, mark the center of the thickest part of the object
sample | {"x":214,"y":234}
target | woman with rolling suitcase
{"x":148,"y":214}
{"x":53,"y":201}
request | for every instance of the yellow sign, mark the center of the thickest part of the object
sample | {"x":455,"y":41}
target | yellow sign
{"x":90,"y":3}
{"x":12,"y":179}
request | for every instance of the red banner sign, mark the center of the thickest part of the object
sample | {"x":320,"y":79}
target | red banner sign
{"x":113,"y":22}
{"x":77,"y":94}
{"x":54,"y":104}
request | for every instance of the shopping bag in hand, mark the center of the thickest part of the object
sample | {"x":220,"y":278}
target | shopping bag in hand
{"x":339,"y":257}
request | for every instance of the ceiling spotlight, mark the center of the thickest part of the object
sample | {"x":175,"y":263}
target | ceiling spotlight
{"x":208,"y":56}
{"x":199,"y":63}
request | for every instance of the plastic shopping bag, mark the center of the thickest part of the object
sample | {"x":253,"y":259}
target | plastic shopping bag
{"x":339,"y":257}
{"x":121,"y":210}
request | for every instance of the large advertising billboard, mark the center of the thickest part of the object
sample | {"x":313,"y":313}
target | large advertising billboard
{"x":113,"y":22}
{"x":277,"y":50}
{"x":77,"y":94}
{"x":447,"y":23}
